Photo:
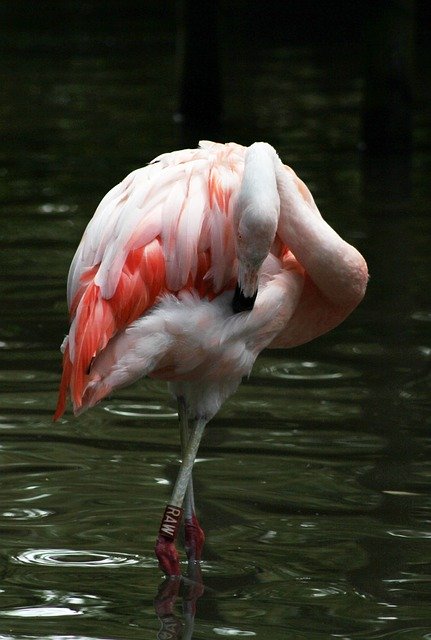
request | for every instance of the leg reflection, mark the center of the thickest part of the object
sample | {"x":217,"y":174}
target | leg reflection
{"x":172,"y":625}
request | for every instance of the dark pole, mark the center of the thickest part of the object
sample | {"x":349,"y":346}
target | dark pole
{"x":388,"y":91}
{"x":200,"y":101}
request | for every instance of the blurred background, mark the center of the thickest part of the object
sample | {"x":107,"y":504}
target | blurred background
{"x":313,"y":482}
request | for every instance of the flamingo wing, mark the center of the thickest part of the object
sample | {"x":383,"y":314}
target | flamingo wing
{"x":165,"y":228}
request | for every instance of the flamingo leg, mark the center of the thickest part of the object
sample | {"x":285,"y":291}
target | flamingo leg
{"x":166,"y":551}
{"x":194,"y":534}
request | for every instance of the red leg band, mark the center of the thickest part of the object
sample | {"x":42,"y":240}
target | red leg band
{"x":171,"y":522}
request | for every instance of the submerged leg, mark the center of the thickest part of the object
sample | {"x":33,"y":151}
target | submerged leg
{"x":165,"y":544}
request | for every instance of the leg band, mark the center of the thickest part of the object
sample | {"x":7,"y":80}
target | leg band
{"x":171,"y":522}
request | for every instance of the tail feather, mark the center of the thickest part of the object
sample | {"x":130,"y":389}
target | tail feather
{"x":90,"y":332}
{"x":96,"y":320}
{"x":93,"y":326}
{"x":64,"y":385}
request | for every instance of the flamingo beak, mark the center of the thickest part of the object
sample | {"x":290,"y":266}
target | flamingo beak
{"x":241,"y":302}
{"x":246,"y":290}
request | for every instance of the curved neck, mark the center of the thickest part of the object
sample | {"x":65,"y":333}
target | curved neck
{"x":259,"y":184}
{"x":256,"y":216}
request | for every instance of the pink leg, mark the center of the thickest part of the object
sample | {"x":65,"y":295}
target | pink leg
{"x":166,"y":551}
{"x":165,"y":544}
{"x":194,"y":534}
{"x":195,"y":538}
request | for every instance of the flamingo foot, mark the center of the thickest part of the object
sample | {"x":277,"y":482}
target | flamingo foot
{"x":194,"y":539}
{"x":167,"y":555}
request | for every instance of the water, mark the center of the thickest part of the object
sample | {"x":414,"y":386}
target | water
{"x":313,"y":481}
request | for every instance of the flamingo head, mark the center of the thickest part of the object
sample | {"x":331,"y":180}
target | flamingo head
{"x":256,"y":214}
{"x":255,"y":235}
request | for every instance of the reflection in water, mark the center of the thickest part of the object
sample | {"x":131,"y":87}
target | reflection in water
{"x":172,"y":626}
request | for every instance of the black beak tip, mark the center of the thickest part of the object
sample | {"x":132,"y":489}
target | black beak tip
{"x":240,"y":302}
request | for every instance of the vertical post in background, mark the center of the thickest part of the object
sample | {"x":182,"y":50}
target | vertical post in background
{"x":388,"y":91}
{"x":200,"y":94}
{"x":387,"y":111}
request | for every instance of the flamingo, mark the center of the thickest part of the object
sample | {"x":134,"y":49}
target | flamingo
{"x":189,"y":268}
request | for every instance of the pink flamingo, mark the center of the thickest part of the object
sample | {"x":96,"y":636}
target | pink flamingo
{"x":188,"y":269}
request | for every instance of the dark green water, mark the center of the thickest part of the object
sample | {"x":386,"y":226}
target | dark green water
{"x":313,"y":482}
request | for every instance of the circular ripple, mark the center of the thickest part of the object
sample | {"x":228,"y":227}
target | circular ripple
{"x":308,"y":370}
{"x":153,"y":411}
{"x":73,"y":558}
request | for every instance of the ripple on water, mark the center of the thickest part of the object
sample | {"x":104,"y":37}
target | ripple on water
{"x":373,"y":351}
{"x":153,"y":411}
{"x":41,"y":611}
{"x":46,"y":637}
{"x":413,"y":534}
{"x":23,"y":375}
{"x":30,"y":400}
{"x":80,"y":558}
{"x":56,"y":207}
{"x":417,"y":390}
{"x":232,"y":632}
{"x":421,"y":316}
{"x":26,"y":514}
{"x":308,"y":370}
